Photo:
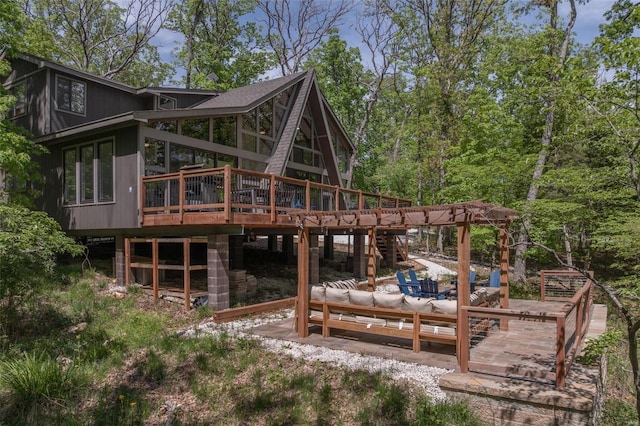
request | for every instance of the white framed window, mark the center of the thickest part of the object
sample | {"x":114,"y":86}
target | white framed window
{"x":70,"y":95}
{"x":88,"y":173}
{"x":165,"y":102}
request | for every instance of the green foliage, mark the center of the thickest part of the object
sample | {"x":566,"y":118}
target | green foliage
{"x":100,"y":37}
{"x":596,"y":347}
{"x":29,"y":244}
{"x":31,"y":384}
{"x":220,"y":40}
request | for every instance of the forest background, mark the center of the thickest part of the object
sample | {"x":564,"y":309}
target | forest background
{"x":445,"y":100}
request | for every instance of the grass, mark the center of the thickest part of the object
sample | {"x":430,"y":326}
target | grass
{"x":86,"y":357}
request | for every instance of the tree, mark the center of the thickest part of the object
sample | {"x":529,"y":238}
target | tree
{"x":295,"y":28}
{"x":558,"y":49}
{"x":29,"y":241}
{"x":223,"y":48}
{"x":100,"y":37}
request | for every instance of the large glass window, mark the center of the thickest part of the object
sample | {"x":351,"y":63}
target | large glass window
{"x":86,"y":174}
{"x":69,"y":178}
{"x":89,"y":173}
{"x":198,"y":128}
{"x":105,"y":171}
{"x":224,"y":131}
{"x":265,"y":118}
{"x":70,"y":95}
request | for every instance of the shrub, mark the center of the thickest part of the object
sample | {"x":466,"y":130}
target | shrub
{"x":35,"y":387}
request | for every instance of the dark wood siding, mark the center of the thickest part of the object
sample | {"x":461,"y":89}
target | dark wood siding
{"x":101,"y":102}
{"x":96,"y":219}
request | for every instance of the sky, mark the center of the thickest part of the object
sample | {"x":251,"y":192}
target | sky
{"x":589,"y":17}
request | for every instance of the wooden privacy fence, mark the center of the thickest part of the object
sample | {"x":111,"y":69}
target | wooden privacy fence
{"x":540,"y":345}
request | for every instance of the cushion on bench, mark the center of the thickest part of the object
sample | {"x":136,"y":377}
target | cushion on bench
{"x":361,"y":297}
{"x":317,"y":292}
{"x":445,"y":306}
{"x":339,"y":295}
{"x":392,"y":301}
{"x":422,"y":304}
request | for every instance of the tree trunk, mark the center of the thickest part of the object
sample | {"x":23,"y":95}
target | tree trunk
{"x":560,"y":52}
{"x":567,"y":245}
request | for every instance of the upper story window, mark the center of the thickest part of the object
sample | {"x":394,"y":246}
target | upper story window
{"x":19,"y":108}
{"x":165,"y":102}
{"x":70,"y":95}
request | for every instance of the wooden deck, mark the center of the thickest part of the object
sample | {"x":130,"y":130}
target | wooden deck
{"x":230,"y":196}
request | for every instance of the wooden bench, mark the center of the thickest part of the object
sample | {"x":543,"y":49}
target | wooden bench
{"x":434,"y":327}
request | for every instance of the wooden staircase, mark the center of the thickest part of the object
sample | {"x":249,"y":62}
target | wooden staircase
{"x":401,"y":251}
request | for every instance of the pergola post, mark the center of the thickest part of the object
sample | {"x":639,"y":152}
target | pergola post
{"x":464,"y":287}
{"x":504,"y":268}
{"x":371,"y":256}
{"x":302,"y":305}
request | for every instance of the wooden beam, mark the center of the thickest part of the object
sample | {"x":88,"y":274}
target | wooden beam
{"x":127,"y":261}
{"x":154,"y":260}
{"x":231,"y":314}
{"x":371,"y":259}
{"x":302,"y":306}
{"x":464,"y":264}
{"x":186,"y":248}
{"x":504,"y":268}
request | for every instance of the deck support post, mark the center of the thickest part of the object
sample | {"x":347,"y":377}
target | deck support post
{"x":504,"y":274}
{"x":371,"y":256}
{"x":119,"y":262}
{"x":328,"y":247}
{"x":302,"y":305}
{"x":218,"y":271}
{"x":272,"y":243}
{"x":314,"y":260}
{"x":391,"y":256}
{"x":186,"y":254}
{"x":288,"y":250}
{"x":236,"y":254}
{"x":464,"y":287}
{"x":359,"y":256}
{"x":155,"y":273}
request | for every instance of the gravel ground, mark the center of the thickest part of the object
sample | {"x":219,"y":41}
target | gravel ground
{"x":422,"y":375}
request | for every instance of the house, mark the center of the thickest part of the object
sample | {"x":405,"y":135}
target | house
{"x":105,"y":137}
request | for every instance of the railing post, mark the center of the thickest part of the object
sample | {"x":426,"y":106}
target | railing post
{"x":360,"y":201}
{"x":227,"y":193}
{"x":560,"y":351}
{"x":308,"y":195}
{"x":337,"y":200}
{"x":181,"y":190}
{"x":272,"y":197}
{"x":141,"y":200}
{"x":542,"y":287}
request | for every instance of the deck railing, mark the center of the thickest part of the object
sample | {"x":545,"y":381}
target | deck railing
{"x":228,"y":191}
{"x":541,"y":332}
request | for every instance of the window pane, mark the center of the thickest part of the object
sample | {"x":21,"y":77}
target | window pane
{"x":19,"y":108}
{"x":105,"y":171}
{"x":198,"y":129}
{"x":265,"y":116}
{"x":223,"y":160}
{"x":180,"y":156}
{"x":63,"y":94}
{"x":86,"y":174}
{"x":265,"y":146}
{"x":69,"y":159}
{"x":165,"y":102}
{"x":256,"y":166}
{"x":154,"y":153}
{"x":77,"y":97}
{"x":249,"y":121}
{"x":248,"y":142}
{"x":207,"y":159}
{"x":224,"y":131}
{"x":165,"y":126}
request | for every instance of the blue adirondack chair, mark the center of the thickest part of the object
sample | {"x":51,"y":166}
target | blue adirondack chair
{"x":494,"y":279}
{"x":428,"y":287}
{"x":472,"y":282}
{"x":407,"y":288}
